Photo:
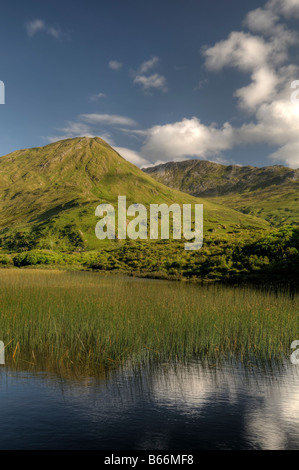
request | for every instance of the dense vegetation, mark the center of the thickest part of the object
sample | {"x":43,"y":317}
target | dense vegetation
{"x":271,"y":257}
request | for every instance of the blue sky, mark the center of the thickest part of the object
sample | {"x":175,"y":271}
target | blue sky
{"x":161,"y":80}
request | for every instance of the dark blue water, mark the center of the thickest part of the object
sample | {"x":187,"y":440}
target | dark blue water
{"x":165,"y":408}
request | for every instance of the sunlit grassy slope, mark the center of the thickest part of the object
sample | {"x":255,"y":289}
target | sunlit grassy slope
{"x":60,"y":185}
{"x":271,"y":193}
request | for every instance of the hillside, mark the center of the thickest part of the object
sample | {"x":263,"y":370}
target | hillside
{"x":50,"y":193}
{"x":271,"y":193}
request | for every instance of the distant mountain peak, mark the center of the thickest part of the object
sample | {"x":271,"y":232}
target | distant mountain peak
{"x":270,"y":192}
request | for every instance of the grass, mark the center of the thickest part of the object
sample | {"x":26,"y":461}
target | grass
{"x":92,"y":321}
{"x":278,"y":205}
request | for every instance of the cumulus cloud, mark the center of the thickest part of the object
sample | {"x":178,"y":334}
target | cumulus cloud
{"x":187,"y":138}
{"x":288,"y":153}
{"x":155,"y":81}
{"x":35,"y":26}
{"x":287,"y":8}
{"x":261,"y":21}
{"x":276,"y":124}
{"x":261,"y":89}
{"x":150,"y":82}
{"x":240,"y":50}
{"x":115,"y":65}
{"x":147,"y":65}
{"x":264,"y":53}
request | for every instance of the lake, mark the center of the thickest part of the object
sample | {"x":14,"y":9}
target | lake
{"x":97,"y":361}
{"x":168,"y":407}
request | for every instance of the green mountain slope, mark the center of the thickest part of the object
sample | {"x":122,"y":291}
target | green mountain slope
{"x":271,"y":193}
{"x":51,"y":193}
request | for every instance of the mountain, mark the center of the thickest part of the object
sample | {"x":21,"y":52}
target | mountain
{"x":50,"y":193}
{"x":271,"y":193}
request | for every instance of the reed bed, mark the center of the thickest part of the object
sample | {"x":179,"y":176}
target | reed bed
{"x":96,"y":321}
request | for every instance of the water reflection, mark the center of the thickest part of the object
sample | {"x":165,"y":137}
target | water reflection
{"x":262,"y":405}
{"x":184,"y":407}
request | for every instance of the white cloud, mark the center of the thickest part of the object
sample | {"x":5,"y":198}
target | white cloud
{"x":79,"y":129}
{"x":76,"y":129}
{"x":132,"y":156}
{"x":240,"y":50}
{"x":155,"y":81}
{"x":89,"y":125}
{"x":201,"y":84}
{"x":261,"y":21}
{"x":266,"y":23}
{"x":73,"y":129}
{"x":147,"y":65}
{"x":276,"y":123}
{"x":97,"y":96}
{"x":288,"y":153}
{"x":54,"y":32}
{"x":248,"y":52}
{"x":262,"y":58}
{"x":35,"y":26}
{"x":115,"y":65}
{"x":150,"y":82}
{"x":286,"y":8}
{"x":261,"y":89}
{"x":187,"y":138}
{"x":111,"y":119}
{"x":265,"y":56}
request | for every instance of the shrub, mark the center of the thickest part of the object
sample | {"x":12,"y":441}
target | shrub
{"x":5,"y":260}
{"x":31,"y":258}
